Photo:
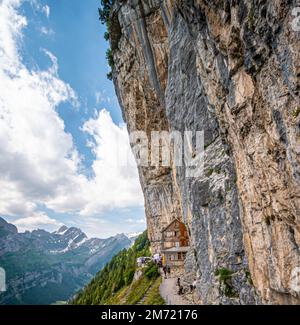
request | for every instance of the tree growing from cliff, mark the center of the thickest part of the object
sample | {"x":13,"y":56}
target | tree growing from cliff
{"x":104,"y":11}
{"x":104,"y":17}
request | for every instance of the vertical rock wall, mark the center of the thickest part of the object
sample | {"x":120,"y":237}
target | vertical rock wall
{"x":230,"y":68}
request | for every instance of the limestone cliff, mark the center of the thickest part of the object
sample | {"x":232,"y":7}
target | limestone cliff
{"x":232,"y":69}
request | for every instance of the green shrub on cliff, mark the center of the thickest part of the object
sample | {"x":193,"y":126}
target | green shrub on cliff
{"x":104,"y":11}
{"x":110,"y":61}
{"x":104,"y":17}
{"x":151,"y":271}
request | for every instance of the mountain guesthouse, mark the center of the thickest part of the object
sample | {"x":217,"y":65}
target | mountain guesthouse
{"x":175,"y":244}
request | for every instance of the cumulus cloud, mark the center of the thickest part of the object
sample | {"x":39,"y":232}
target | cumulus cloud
{"x":116,"y":180}
{"x":39,"y":163}
{"x":36,"y":221}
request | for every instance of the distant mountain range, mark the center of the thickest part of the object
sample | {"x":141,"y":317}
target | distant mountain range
{"x":43,"y":267}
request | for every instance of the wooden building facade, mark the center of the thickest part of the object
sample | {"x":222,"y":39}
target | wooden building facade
{"x":175,"y":244}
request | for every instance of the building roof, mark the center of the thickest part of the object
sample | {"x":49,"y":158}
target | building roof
{"x":164,"y":229}
{"x":182,"y":249}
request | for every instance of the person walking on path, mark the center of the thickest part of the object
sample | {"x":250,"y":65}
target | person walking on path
{"x":180,"y":290}
{"x":165,"y":271}
{"x":193,"y":286}
{"x":169,"y":270}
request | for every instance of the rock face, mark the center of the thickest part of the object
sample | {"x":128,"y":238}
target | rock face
{"x":232,"y":69}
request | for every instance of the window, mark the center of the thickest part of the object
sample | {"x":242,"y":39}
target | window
{"x":177,"y":244}
{"x":168,"y":244}
{"x":169,"y":233}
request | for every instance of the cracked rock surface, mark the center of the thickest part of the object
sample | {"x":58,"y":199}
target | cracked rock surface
{"x":231,"y":69}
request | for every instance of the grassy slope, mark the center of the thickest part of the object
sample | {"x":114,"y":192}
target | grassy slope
{"x":154,"y":297}
{"x":114,"y":285}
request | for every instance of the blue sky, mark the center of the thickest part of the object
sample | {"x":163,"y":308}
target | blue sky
{"x":61,"y":122}
{"x":76,"y":39}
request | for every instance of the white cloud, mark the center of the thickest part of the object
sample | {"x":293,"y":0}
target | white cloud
{"x":38,"y":220}
{"x":39,"y":163}
{"x":136,"y":221}
{"x":46,"y":10}
{"x":46,"y":31}
{"x":115,"y":184}
{"x":102,"y":98}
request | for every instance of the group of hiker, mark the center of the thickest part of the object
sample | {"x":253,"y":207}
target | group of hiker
{"x":180,"y":286}
{"x":157,"y":258}
{"x":166,"y":269}
{"x":142,"y":261}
